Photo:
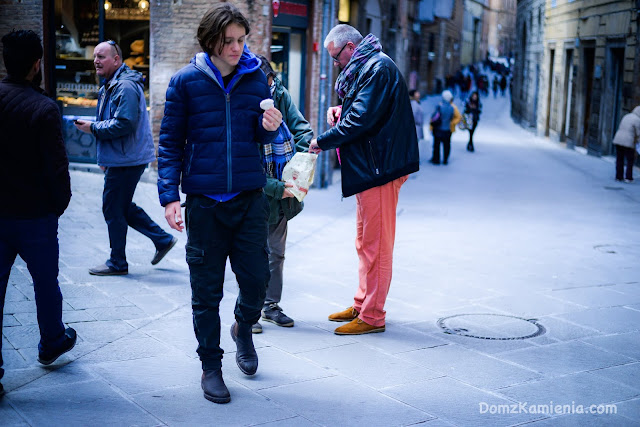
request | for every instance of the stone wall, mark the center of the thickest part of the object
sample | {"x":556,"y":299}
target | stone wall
{"x":173,"y":26}
{"x":20,"y":15}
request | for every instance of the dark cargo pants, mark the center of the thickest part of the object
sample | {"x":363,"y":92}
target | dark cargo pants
{"x":236,"y":229}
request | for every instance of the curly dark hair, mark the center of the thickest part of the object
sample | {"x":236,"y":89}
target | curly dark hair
{"x":20,"y":50}
{"x":214,"y":22}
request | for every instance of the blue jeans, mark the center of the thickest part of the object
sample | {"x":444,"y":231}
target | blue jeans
{"x":120,"y":213}
{"x":236,"y":229}
{"x":36,"y":241}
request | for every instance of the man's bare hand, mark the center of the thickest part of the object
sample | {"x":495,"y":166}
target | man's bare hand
{"x":313,"y":147}
{"x":286,"y":192}
{"x":271,"y":119}
{"x":333,"y":115}
{"x":173,"y":215}
{"x":83,"y":126}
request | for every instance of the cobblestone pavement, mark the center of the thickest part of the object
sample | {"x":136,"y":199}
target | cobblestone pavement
{"x":522,"y":228}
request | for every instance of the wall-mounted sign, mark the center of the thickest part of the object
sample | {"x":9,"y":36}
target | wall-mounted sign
{"x":293,"y":13}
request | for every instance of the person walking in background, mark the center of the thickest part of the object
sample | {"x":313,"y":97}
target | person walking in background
{"x":503,"y":85}
{"x":124,"y":148}
{"x":418,"y":118}
{"x":472,"y":109}
{"x":443,"y":124}
{"x":418,"y":114}
{"x":36,"y":189}
{"x":209,"y":147}
{"x":626,"y":139}
{"x":282,"y":204}
{"x":495,"y":86}
{"x":375,"y":133}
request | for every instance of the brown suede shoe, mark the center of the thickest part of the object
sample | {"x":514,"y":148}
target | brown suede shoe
{"x":358,"y":327}
{"x":344,"y":316}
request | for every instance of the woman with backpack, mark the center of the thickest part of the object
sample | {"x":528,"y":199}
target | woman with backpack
{"x":443,"y":124}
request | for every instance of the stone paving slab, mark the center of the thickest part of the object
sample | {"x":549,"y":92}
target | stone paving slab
{"x":564,"y":358}
{"x":456,"y":402}
{"x":344,"y":402}
{"x":370,"y":367}
{"x":462,"y":364}
{"x":625,"y":344}
{"x":608,"y":320}
{"x":185,"y":406}
{"x":76,"y":404}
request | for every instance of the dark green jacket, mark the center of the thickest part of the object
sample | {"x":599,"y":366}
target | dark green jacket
{"x":302,"y":136}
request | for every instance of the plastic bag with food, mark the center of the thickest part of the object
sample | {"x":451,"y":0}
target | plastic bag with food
{"x":299,"y":172}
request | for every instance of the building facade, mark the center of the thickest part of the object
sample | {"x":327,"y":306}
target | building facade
{"x":474,"y":33}
{"x":441,"y":41}
{"x":500,"y":26}
{"x":577,"y":84}
{"x":527,"y":70}
{"x":158,"y":38}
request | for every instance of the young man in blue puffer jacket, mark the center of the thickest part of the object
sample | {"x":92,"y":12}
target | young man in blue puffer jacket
{"x":210,"y":144}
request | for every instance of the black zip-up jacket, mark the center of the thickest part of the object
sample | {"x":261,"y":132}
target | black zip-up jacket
{"x":34,"y":169}
{"x":376,"y":133}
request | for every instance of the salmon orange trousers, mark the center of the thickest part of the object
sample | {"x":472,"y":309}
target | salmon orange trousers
{"x":376,"y":232}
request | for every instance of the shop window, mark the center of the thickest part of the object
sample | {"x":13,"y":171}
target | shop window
{"x":80,"y":26}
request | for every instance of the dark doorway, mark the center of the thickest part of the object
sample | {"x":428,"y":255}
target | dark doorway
{"x":568,"y":88}
{"x":552,"y":57}
{"x":589,"y":60}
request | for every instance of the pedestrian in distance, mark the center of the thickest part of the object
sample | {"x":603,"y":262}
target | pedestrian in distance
{"x":472,"y":109}
{"x":495,"y":86}
{"x":503,"y":85}
{"x":375,"y":133}
{"x":209,"y":146}
{"x":418,"y":118}
{"x":443,"y":124}
{"x":418,"y":113}
{"x":124,"y":148}
{"x":36,"y":189}
{"x":294,"y":135}
{"x":626,"y":139}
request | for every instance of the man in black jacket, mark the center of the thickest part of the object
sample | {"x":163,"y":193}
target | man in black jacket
{"x":35,"y":186}
{"x":375,"y":135}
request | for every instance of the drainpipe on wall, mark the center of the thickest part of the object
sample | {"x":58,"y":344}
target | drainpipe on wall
{"x":326,"y":78}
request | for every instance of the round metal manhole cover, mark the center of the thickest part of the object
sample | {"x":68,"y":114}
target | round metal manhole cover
{"x":489,"y":326}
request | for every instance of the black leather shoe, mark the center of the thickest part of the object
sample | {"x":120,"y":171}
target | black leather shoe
{"x":160,"y":254}
{"x":104,"y":270}
{"x":246,"y":356}
{"x":470,"y":147}
{"x":213,"y":386}
{"x":48,"y":357}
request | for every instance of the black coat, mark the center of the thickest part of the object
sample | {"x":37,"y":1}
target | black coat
{"x":34,"y":169}
{"x":376,"y":133}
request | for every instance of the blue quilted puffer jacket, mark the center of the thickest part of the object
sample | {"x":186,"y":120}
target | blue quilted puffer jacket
{"x":210,"y":136}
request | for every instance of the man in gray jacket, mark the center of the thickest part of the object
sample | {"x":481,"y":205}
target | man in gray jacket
{"x":125,"y":147}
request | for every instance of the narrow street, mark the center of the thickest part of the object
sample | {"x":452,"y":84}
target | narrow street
{"x":527,"y":253}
